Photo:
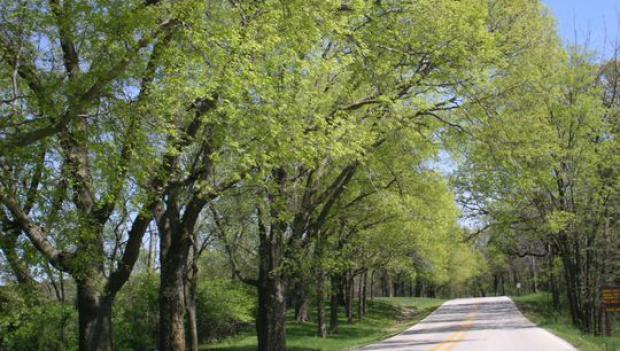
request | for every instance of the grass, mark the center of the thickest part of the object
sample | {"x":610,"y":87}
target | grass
{"x":538,"y":308}
{"x":386,"y":317}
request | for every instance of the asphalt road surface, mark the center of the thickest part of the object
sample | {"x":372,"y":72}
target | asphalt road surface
{"x":477,"y":324}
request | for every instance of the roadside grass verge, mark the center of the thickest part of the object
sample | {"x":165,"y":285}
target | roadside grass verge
{"x":539,"y":309}
{"x":386,"y":317}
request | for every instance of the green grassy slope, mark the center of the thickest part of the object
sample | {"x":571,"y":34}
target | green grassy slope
{"x":386,"y":317}
{"x":538,"y":308}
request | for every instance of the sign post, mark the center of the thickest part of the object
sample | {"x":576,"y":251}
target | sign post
{"x":610,"y":301}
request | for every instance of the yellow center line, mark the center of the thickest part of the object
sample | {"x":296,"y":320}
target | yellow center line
{"x":455,"y":338}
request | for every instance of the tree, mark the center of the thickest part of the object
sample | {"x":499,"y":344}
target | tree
{"x":548,"y":185}
{"x":81,"y":76}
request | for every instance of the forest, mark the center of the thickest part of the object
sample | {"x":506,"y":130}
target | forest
{"x":175,"y":172}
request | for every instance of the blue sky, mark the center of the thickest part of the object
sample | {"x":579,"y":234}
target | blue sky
{"x":596,"y":20}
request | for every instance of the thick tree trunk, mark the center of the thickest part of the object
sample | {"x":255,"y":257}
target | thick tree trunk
{"x":301,"y":310}
{"x":301,"y":303}
{"x":271,"y":319}
{"x":333,"y":313}
{"x":172,"y":301}
{"x":95,"y":319}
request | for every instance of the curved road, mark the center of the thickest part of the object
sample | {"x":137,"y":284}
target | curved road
{"x":477,"y":324}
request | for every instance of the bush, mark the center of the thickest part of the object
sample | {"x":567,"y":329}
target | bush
{"x":136,"y":314}
{"x":224,"y":307}
{"x":32,"y":322}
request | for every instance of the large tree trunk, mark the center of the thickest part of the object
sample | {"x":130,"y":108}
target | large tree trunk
{"x":271,"y":319}
{"x":301,"y":303}
{"x":95,"y":319}
{"x":172,"y":299}
{"x":333,"y":313}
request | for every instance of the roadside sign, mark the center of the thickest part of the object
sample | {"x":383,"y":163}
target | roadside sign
{"x":610,"y":298}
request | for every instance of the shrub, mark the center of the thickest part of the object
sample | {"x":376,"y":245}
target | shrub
{"x":224,"y":307}
{"x":136,"y":314}
{"x":33,"y":322}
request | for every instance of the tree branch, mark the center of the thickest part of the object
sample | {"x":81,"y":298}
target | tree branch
{"x":36,"y":234}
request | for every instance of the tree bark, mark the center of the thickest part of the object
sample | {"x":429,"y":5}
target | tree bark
{"x":192,"y":296}
{"x":95,"y":319}
{"x":350,"y":290}
{"x":364,"y":293}
{"x":192,"y":324}
{"x":320,"y":303}
{"x":172,"y":302}
{"x":271,"y":319}
{"x":333,"y":313}
{"x":301,"y":302}
{"x":372,"y":285}
{"x":320,"y":287}
{"x":360,"y":298}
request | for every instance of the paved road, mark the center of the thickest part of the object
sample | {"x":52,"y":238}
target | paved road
{"x":480,"y":324}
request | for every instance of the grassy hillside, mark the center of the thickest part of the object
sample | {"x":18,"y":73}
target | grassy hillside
{"x":538,"y":308}
{"x":386,"y":317}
